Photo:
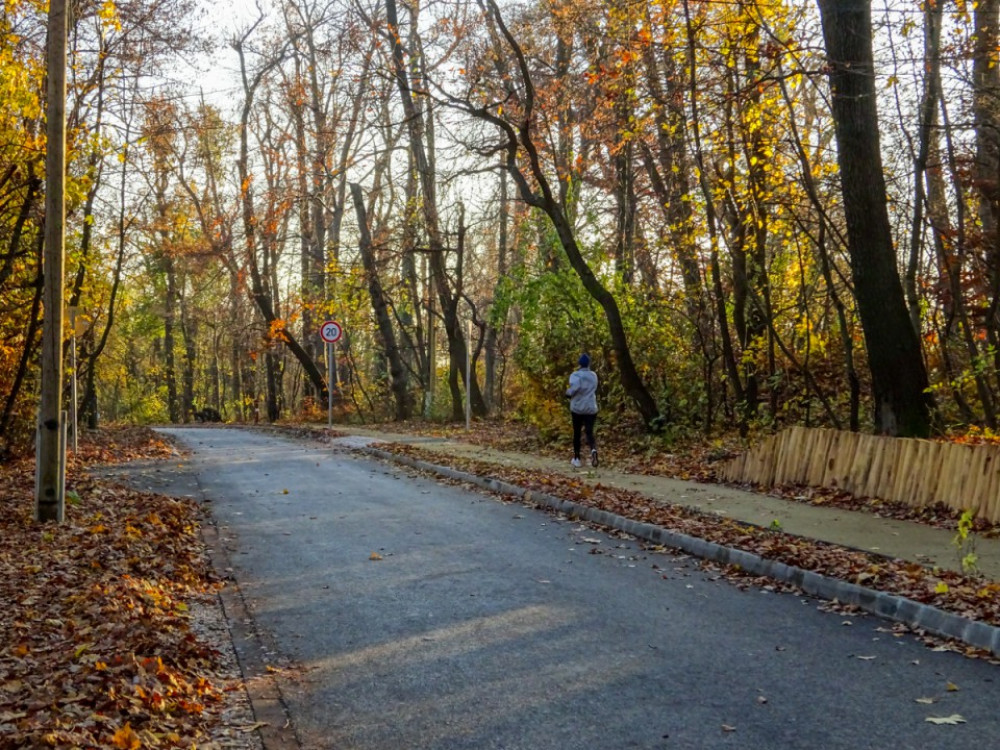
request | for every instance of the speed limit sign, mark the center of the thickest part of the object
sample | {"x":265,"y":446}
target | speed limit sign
{"x":331,"y":331}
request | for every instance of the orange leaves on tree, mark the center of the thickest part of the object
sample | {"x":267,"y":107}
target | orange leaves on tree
{"x":276,"y":330}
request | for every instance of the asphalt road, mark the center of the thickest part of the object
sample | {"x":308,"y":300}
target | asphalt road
{"x":421,"y":615}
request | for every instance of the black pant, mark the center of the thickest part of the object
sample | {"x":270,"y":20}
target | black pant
{"x":584,"y":422}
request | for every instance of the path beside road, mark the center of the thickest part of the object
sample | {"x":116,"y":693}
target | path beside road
{"x":905,"y":540}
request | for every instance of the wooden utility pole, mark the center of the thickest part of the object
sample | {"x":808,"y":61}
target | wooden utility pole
{"x":50,"y":448}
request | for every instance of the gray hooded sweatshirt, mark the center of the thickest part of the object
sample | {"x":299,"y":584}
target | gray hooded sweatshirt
{"x":582,"y":391}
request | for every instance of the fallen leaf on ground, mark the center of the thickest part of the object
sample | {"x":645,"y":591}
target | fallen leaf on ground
{"x":110,"y":658}
{"x":953,"y":719}
{"x":126,"y":738}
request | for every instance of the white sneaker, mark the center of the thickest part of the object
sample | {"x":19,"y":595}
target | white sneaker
{"x":575,"y":463}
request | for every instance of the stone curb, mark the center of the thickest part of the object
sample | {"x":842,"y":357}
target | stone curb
{"x":889,"y":606}
{"x":276,"y":731}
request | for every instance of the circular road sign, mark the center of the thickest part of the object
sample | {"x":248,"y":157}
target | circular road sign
{"x":331,"y":331}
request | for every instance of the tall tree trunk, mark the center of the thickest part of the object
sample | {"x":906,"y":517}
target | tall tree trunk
{"x":272,"y":384}
{"x":669,"y":172}
{"x":31,"y":343}
{"x":954,"y":259}
{"x":624,"y":193}
{"x":397,"y":372}
{"x":189,"y":333}
{"x":169,"y":322}
{"x":89,"y":411}
{"x":563,"y":155}
{"x":31,"y":192}
{"x":623,"y":140}
{"x":244,"y":409}
{"x":416,"y":354}
{"x":312,"y":292}
{"x":927,"y":120}
{"x":756,"y":155}
{"x":415,"y":128}
{"x":826,"y":265}
{"x":13,"y":251}
{"x":258,"y":291}
{"x":214,"y":372}
{"x":711,"y":218}
{"x":520,"y":146}
{"x":986,"y":112}
{"x":492,"y":333}
{"x":899,"y":379}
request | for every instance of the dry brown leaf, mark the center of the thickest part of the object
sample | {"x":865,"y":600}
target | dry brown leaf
{"x":107,"y":592}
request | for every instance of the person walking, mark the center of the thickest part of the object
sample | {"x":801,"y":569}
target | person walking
{"x":582,"y":395}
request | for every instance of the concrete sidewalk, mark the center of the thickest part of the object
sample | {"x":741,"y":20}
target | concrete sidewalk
{"x":906,"y":540}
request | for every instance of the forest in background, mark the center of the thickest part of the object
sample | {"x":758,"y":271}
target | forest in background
{"x":750,"y":214}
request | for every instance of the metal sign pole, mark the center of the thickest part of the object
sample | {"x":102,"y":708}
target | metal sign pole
{"x":330,"y":332}
{"x":329,"y":385}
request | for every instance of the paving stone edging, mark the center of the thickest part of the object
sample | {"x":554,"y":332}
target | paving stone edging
{"x":889,"y":606}
{"x":274,"y":725}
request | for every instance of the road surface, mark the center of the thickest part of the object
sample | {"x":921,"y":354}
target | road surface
{"x":423,"y":615}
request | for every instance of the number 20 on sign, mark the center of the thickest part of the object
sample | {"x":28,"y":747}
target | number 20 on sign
{"x":331,"y":331}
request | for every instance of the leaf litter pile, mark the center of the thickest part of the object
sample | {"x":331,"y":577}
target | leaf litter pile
{"x":97,"y":647}
{"x":974,"y":597}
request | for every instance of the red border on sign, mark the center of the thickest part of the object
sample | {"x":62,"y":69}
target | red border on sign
{"x":335,"y":339}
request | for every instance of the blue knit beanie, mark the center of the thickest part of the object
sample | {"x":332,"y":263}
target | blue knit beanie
{"x":584,"y":360}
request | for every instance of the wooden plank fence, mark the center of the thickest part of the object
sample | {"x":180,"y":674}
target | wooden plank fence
{"x":915,"y":472}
